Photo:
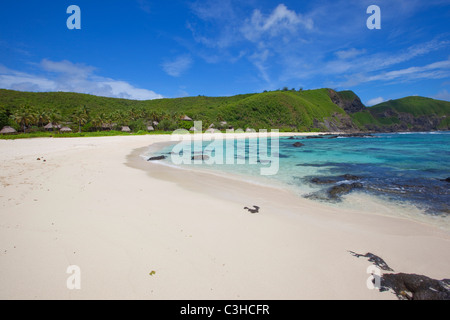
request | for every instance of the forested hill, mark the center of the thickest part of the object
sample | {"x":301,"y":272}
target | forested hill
{"x":287,"y":110}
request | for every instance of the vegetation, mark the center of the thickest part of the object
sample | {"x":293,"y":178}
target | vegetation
{"x":286,"y":109}
{"x":417,"y":106}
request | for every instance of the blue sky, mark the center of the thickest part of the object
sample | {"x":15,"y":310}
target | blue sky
{"x":146,"y":49}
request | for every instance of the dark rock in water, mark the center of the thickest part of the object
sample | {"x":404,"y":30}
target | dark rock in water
{"x":291,"y":138}
{"x":314,"y":137}
{"x":316,"y":165}
{"x":446,"y":180}
{"x":330,"y":180}
{"x":350,"y":177}
{"x":157,"y":158}
{"x":323,"y":181}
{"x":356,"y":135}
{"x":345,"y":188}
{"x":416,"y":287}
{"x":200,"y":157}
{"x":376,"y":260}
{"x":298,"y":144}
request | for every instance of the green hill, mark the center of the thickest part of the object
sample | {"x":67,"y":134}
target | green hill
{"x":309,"y":110}
{"x":417,"y":106}
{"x":406,"y":114}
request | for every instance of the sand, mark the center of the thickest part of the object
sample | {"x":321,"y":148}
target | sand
{"x":140,"y":230}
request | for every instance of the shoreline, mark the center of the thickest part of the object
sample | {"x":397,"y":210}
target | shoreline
{"x":207,"y":178}
{"x":356,"y":201}
{"x":87,"y":206}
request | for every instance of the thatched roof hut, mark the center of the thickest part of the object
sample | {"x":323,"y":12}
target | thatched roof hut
{"x":8,"y":130}
{"x":126,"y":129}
{"x":65,"y":129}
{"x":194,"y":129}
{"x":150,"y":128}
{"x":186,"y":118}
{"x":52,"y":126}
{"x":155,"y":123}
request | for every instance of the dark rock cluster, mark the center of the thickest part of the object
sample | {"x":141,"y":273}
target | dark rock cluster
{"x":409,"y":286}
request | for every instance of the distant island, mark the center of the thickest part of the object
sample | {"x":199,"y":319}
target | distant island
{"x":320,"y":110}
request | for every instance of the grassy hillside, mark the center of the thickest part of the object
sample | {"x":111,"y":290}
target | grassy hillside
{"x":68,"y":103}
{"x":364,"y":118}
{"x":310,"y":110}
{"x":417,"y":106}
{"x":286,"y":110}
{"x":412,"y":113}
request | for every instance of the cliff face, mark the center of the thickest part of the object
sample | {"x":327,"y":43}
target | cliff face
{"x":411,"y":114}
{"x":407,"y":114}
{"x":407,"y":122}
{"x":337,"y":123}
{"x":347,"y":100}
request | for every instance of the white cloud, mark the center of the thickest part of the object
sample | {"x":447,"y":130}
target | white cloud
{"x":178,"y":66}
{"x":280,"y":20}
{"x":285,"y":44}
{"x":436,"y":70}
{"x":258,"y":59}
{"x":66,"y":67}
{"x":375,"y":101}
{"x":350,"y":53}
{"x":373,"y":62}
{"x":66,"y":76}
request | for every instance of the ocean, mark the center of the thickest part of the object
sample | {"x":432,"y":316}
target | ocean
{"x":403,"y":168}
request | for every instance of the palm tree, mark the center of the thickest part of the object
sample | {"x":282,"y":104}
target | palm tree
{"x":220,"y":117}
{"x":98,"y":121}
{"x":24,"y":117}
{"x":121,"y":117}
{"x":42,"y":117}
{"x":81,"y":117}
{"x":135,"y":114}
{"x":153,"y":115}
{"x":163,"y":115}
{"x":176,"y":116}
{"x":108,"y":119}
{"x":85,"y":109}
{"x":54,"y":116}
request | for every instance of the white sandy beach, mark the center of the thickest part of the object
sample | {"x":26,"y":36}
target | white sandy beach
{"x":92,"y":204}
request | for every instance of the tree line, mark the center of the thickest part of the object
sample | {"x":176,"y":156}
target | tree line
{"x":30,"y":119}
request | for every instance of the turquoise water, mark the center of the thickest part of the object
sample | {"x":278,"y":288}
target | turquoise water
{"x":405,"y":167}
